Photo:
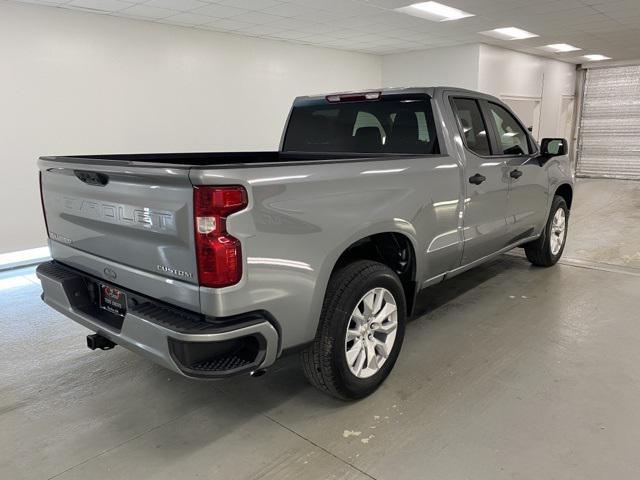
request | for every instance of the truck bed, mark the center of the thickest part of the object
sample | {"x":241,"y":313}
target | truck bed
{"x":217,"y":159}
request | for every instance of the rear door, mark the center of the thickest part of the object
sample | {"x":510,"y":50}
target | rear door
{"x":136,"y":217}
{"x":528,"y":182}
{"x":486,"y":183}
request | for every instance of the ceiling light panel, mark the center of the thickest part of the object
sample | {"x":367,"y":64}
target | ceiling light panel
{"x":434,"y":11}
{"x":560,"y":48}
{"x":596,"y":57}
{"x":509,"y":33}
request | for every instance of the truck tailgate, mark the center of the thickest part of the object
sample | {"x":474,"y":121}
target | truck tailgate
{"x":139,"y":217}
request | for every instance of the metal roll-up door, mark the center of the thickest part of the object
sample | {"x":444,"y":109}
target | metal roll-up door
{"x":609,"y":141}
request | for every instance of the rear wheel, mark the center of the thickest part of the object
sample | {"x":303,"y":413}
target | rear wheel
{"x":360,"y":332}
{"x":547,"y":250}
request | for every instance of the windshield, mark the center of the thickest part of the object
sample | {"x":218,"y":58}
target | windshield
{"x":383,"y":126}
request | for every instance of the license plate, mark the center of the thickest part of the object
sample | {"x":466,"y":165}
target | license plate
{"x":113,"y":300}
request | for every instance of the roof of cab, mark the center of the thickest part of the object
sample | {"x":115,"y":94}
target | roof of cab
{"x":389,"y":91}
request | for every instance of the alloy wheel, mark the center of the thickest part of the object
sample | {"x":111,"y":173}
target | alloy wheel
{"x":371,"y":332}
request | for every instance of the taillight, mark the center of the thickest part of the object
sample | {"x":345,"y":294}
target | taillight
{"x":44,"y":213}
{"x":219,"y":254}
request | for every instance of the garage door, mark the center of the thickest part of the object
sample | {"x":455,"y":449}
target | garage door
{"x":609,"y":143}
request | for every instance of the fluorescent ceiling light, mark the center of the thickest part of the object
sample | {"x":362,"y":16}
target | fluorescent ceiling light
{"x":596,"y":57}
{"x":434,"y":11}
{"x":509,"y":33}
{"x":560,"y":47}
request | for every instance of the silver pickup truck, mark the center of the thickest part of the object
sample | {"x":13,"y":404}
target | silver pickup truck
{"x":214,"y":264}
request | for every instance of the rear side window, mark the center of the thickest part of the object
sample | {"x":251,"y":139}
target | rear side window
{"x":511,"y":137}
{"x":472,"y":125}
{"x":382,"y":126}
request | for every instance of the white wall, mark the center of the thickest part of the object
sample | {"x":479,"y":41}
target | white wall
{"x":514,"y":74}
{"x":74,"y":82}
{"x":451,"y":67}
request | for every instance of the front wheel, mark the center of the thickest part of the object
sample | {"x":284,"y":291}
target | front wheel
{"x":360,"y":332}
{"x":547,"y":250}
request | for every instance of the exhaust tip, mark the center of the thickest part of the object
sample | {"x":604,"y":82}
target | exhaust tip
{"x":258,"y":373}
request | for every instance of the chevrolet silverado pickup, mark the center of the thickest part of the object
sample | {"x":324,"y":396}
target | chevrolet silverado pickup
{"x":215,"y":264}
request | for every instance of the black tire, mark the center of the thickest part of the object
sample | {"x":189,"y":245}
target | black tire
{"x":324,"y":361}
{"x":539,"y":252}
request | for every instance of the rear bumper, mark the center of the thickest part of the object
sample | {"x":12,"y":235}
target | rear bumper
{"x":179,"y":340}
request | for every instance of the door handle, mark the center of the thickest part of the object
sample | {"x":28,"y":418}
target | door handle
{"x":515,"y":174}
{"x":477,"y":179}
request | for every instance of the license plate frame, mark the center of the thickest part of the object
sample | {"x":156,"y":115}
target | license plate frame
{"x":112,"y":300}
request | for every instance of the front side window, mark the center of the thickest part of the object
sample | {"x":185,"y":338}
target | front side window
{"x":511,"y":137}
{"x":383,"y":126}
{"x":472,"y":125}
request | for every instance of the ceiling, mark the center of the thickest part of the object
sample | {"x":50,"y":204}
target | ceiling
{"x":608,"y":27}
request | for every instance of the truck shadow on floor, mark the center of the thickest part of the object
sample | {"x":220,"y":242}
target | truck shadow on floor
{"x":286,"y":379}
{"x":441,"y":294}
{"x":262,"y":403}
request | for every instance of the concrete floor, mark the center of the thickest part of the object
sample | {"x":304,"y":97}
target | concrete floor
{"x":512,"y":372}
{"x":605,"y":223}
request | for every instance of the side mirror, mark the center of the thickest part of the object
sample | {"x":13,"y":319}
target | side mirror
{"x":553,"y":147}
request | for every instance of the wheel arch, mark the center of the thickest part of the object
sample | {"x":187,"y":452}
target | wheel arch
{"x":565,"y":191}
{"x":349,"y":249}
{"x":395,"y":249}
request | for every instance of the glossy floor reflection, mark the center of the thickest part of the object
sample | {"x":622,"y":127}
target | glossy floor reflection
{"x":510,"y":372}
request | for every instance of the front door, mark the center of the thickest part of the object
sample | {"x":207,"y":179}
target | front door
{"x":528,"y":182}
{"x":486,"y":183}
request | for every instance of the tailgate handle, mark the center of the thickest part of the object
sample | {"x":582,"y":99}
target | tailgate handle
{"x":92,"y":178}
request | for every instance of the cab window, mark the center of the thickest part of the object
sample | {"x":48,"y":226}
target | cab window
{"x":471,"y":124}
{"x":387,"y":126}
{"x":511,"y":137}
